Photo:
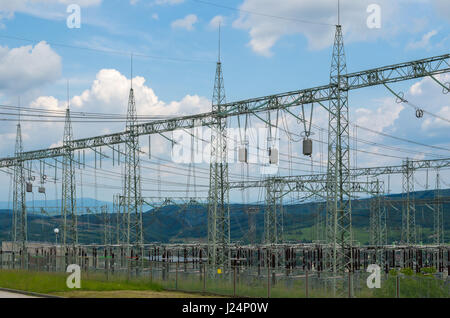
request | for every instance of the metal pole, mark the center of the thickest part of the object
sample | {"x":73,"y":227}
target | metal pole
{"x":234,"y":282}
{"x":349,"y":284}
{"x":176,"y":276}
{"x":268,"y":278}
{"x":306,"y":287}
{"x":204,"y":277}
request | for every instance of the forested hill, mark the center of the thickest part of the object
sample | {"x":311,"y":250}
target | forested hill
{"x":172,"y":224}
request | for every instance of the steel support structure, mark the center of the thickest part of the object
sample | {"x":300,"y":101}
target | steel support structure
{"x":273,"y":214}
{"x":218,"y":196}
{"x":132,"y":191}
{"x":438,"y":213}
{"x":339,"y":218}
{"x":377,"y":221}
{"x":373,"y":77}
{"x":409,"y":210}
{"x":68,"y":207}
{"x":19,"y":219}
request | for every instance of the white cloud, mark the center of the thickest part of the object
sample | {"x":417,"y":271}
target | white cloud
{"x":169,"y":2}
{"x":216,"y":21}
{"x":265,"y":31}
{"x":46,"y":9}
{"x":379,"y":119}
{"x":423,"y":43}
{"x":428,"y":95}
{"x":28,"y":67}
{"x":186,"y":23}
{"x":109,"y":94}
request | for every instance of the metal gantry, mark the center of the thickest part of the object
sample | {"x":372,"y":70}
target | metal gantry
{"x":388,"y":74}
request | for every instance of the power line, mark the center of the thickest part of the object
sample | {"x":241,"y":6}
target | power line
{"x":109,"y":51}
{"x":263,"y":14}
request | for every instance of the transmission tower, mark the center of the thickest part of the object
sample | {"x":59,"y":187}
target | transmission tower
{"x":438,"y":213}
{"x":339,"y":221}
{"x":251,"y":214}
{"x":70,"y":231}
{"x":218,"y":197}
{"x":409,"y":211}
{"x":273,"y":220}
{"x":132,"y":180}
{"x":19,"y":232}
{"x":377,"y":219}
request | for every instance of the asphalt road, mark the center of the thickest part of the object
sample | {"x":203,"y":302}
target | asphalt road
{"x":5,"y":294}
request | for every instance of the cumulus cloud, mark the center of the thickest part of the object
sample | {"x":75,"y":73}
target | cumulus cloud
{"x":169,"y":2}
{"x":28,"y":67}
{"x":45,"y":9}
{"x":259,"y":18}
{"x":428,"y":95}
{"x":217,"y":21}
{"x":186,"y":23}
{"x":109,"y":94}
{"x":424,"y":42}
{"x":381,"y":118}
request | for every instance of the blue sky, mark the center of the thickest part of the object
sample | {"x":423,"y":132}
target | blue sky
{"x":261,"y":55}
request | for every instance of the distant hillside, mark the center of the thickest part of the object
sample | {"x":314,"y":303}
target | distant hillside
{"x":87,"y":202}
{"x":172,"y":224}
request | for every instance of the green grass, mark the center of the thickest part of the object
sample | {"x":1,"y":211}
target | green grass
{"x":42,"y":282}
{"x":411,"y":285}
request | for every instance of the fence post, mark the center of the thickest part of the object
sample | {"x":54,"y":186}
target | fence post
{"x":151,"y":271}
{"x":268,"y":279}
{"x":204,"y":277}
{"x":306,"y":287}
{"x":234,"y":282}
{"x":176,"y":276}
{"x":349,"y":284}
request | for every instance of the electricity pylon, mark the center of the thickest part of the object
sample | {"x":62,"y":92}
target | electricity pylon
{"x":132,"y":180}
{"x":377,"y":219}
{"x":409,"y":210}
{"x":218,"y":197}
{"x":19,"y":232}
{"x":273,"y":218}
{"x":438,"y":213}
{"x":339,"y":219}
{"x":69,"y":213}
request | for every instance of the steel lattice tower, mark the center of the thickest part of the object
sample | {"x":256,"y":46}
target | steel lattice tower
{"x":69,"y":213}
{"x":19,"y":232}
{"x":132,"y":181}
{"x":339,"y":220}
{"x":218,"y":197}
{"x":273,"y":220}
{"x":377,"y":220}
{"x":409,"y":210}
{"x":438,"y":213}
